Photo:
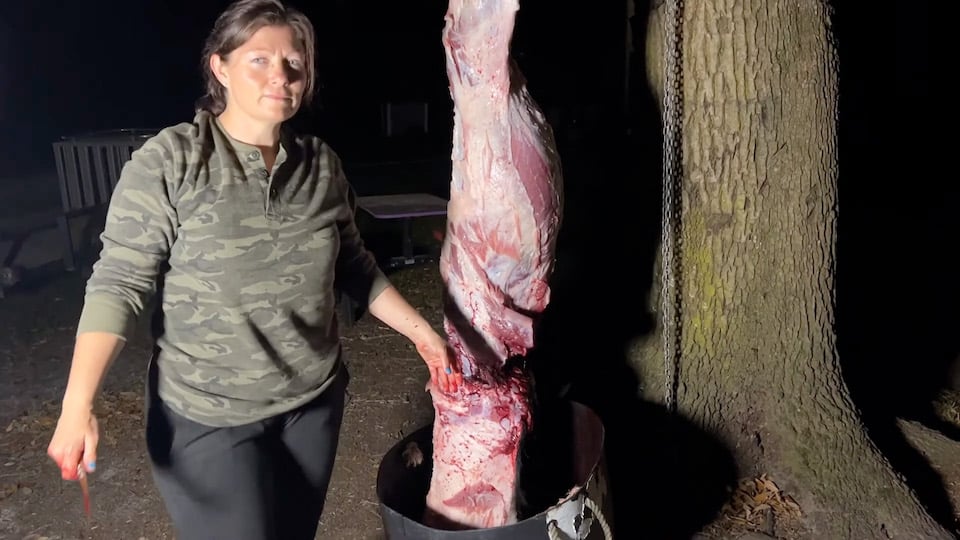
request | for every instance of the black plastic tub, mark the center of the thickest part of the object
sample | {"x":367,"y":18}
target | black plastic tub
{"x":560,"y":463}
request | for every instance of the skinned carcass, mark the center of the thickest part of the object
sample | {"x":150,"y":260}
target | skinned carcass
{"x":504,"y":213}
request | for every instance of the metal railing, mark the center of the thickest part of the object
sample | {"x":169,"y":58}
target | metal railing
{"x":89,"y":165}
{"x":88,"y":168}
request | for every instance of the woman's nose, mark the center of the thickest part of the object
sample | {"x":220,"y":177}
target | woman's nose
{"x":278,"y":73}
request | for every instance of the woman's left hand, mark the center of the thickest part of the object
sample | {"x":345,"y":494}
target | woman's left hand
{"x":437,"y":354}
{"x":393,"y":310}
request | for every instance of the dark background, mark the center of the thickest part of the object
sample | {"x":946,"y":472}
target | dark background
{"x":73,"y":67}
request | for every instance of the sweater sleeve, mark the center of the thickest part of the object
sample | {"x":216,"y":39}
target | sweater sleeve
{"x":357,"y":272}
{"x":140,"y":228}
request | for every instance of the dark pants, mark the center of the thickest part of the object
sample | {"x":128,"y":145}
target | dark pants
{"x":261,"y":481}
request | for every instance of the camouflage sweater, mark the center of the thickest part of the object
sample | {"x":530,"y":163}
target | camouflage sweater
{"x":242,"y":262}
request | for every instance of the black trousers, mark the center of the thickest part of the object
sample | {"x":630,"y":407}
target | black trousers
{"x":261,"y":481}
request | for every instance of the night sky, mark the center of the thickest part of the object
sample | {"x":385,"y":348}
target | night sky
{"x":72,"y":67}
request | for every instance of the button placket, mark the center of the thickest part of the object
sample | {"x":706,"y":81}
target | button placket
{"x":262,"y":175}
{"x":272,"y":209}
{"x":271,"y":192}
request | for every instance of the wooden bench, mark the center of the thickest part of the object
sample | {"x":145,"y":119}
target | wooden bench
{"x":88,"y":168}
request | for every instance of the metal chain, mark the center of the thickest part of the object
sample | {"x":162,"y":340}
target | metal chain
{"x":672,"y":177}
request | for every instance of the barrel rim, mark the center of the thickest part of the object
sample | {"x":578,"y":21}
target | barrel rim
{"x":424,"y":434}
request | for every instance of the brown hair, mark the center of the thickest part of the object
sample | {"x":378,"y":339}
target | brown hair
{"x":235,"y":26}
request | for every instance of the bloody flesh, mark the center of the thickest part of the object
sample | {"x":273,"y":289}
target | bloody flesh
{"x":502,"y":222}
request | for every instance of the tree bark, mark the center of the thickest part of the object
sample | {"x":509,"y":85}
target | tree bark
{"x":758,"y":361}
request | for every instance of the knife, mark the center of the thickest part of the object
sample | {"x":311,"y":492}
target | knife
{"x":82,"y":478}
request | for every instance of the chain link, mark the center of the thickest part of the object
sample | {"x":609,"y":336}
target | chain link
{"x":672,"y":177}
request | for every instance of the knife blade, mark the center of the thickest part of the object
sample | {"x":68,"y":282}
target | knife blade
{"x":85,"y":488}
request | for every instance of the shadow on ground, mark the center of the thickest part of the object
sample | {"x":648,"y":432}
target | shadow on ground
{"x":605,"y":259}
{"x":897,"y":290}
{"x":668,"y":478}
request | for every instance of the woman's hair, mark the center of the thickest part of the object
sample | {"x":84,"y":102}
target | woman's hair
{"x":235,"y":26}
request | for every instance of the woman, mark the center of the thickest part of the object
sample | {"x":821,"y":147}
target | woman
{"x":243,"y":230}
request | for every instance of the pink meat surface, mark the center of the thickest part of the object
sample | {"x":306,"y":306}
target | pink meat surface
{"x":504,"y":214}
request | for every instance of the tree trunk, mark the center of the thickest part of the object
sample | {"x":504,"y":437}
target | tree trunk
{"x":758,"y":360}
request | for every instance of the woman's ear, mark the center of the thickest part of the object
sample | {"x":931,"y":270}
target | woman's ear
{"x":219,"y":68}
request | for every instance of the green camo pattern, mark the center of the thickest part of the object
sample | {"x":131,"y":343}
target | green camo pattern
{"x":244,"y":263}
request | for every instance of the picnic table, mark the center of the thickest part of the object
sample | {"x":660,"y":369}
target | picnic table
{"x":14,"y":232}
{"x":404,"y":207}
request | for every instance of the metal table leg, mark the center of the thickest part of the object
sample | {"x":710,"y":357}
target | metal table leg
{"x":407,"y":238}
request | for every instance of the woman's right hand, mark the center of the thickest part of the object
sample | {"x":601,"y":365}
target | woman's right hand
{"x":74,"y":442}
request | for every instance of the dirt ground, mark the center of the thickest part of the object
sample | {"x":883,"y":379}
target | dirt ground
{"x":386,"y":402}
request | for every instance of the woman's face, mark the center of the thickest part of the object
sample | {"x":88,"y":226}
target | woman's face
{"x":264,"y":77}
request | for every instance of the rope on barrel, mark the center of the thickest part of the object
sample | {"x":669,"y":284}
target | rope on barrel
{"x":553,"y":530}
{"x":607,"y":533}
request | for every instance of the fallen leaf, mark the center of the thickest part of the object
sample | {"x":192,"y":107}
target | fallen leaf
{"x":791,"y":504}
{"x":7,"y":490}
{"x":754,"y":497}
